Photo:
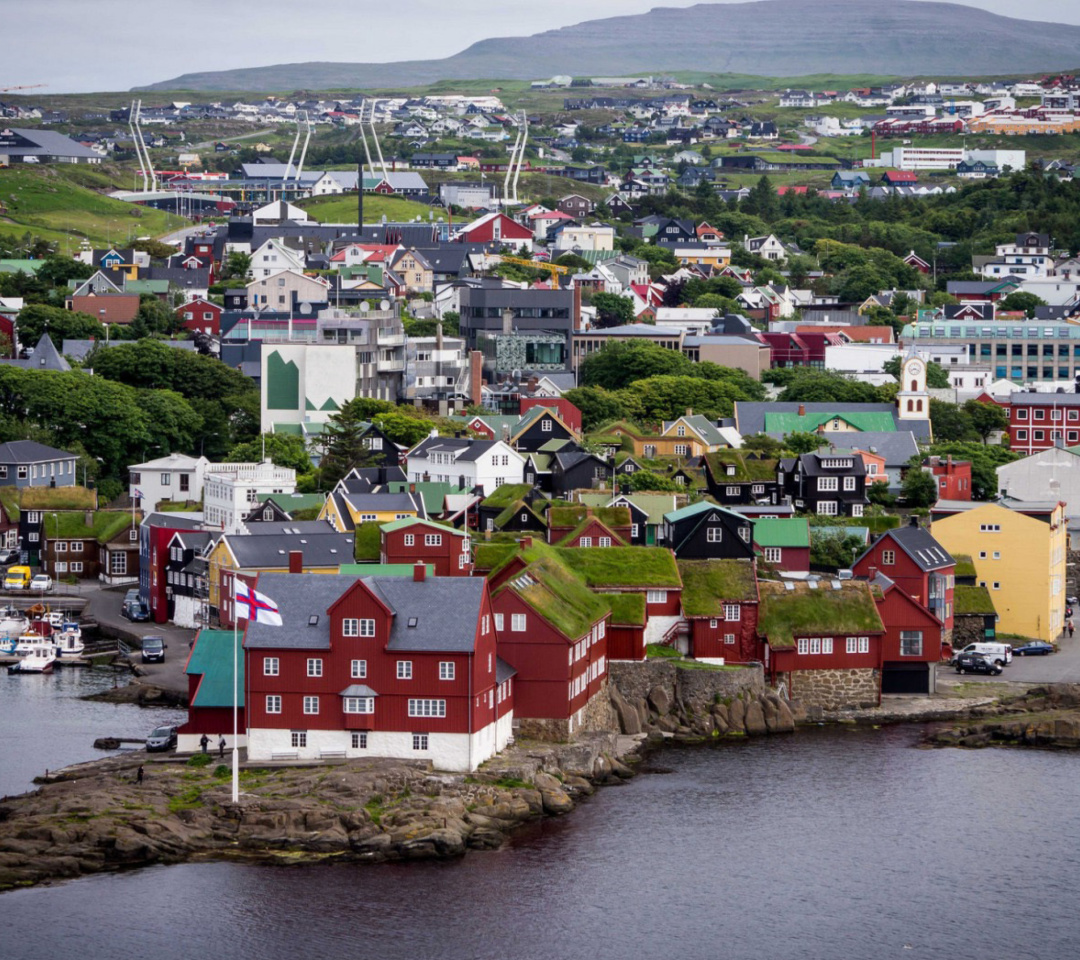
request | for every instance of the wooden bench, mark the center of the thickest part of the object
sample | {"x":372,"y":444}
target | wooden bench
{"x":288,"y":755}
{"x":331,"y":754}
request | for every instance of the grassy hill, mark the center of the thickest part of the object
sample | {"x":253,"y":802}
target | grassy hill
{"x":851,"y":37}
{"x":343,"y":209}
{"x":66,"y":203}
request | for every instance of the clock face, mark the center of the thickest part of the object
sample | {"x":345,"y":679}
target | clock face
{"x":915,"y":367}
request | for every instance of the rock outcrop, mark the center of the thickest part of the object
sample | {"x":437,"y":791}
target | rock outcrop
{"x":97,"y":817}
{"x":1043,"y":717}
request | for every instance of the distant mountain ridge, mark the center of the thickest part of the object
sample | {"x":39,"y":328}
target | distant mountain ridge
{"x":843,"y":37}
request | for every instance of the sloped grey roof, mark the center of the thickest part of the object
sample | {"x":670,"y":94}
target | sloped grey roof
{"x":299,"y":596}
{"x":921,"y":546}
{"x":503,"y":670}
{"x":30,"y":451}
{"x":262,"y":528}
{"x":319,"y":549}
{"x":897,"y":448}
{"x":446,"y":610}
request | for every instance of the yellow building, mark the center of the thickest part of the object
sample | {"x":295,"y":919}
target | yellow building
{"x":1019,"y":556}
{"x":689,"y":436}
{"x":345,"y":510}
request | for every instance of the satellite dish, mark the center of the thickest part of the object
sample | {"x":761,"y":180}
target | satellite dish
{"x":364,"y":306}
{"x":384,"y":304}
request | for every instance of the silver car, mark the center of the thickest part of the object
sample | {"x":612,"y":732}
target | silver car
{"x":161,"y":738}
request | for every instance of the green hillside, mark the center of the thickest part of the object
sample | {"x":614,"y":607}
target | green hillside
{"x":64,"y":204}
{"x":343,"y":209}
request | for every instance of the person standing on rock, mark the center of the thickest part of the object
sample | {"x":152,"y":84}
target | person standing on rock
{"x":204,"y":742}
{"x":221,"y":747}
{"x":139,"y":775}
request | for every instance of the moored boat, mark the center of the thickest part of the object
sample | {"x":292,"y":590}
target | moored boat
{"x":40,"y":659}
{"x":12,"y":622}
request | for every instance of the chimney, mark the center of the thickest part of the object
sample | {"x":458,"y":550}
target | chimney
{"x":476,"y":378}
{"x":296,"y":561}
{"x":950,"y":462}
{"x":526,"y":543}
{"x":802,"y":409}
{"x":689,"y":411}
{"x":419,"y":572}
{"x":88,"y":518}
{"x":873,"y":572}
{"x":913,"y":521}
{"x":412,"y":488}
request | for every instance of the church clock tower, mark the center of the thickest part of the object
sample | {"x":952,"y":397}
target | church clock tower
{"x":913,"y":402}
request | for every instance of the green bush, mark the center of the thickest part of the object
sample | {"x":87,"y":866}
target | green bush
{"x":222,"y":770}
{"x":199,"y":760}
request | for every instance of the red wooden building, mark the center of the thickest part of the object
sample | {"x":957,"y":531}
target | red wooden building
{"x":823,"y":641}
{"x":566,"y":411}
{"x":200,"y":316}
{"x":912,"y":644}
{"x":211,"y":691}
{"x":953,"y":477}
{"x":720,"y":604}
{"x":580,"y":526}
{"x":420,"y":541}
{"x":912,"y":559}
{"x":379,"y":666}
{"x":497,"y":228}
{"x":553,"y":630}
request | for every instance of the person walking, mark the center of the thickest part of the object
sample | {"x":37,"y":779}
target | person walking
{"x":204,"y":741}
{"x":1071,"y":627}
{"x":221,"y":747}
{"x":139,"y":775}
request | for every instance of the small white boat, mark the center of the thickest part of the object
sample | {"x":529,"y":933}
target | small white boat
{"x":68,"y":640}
{"x":12,"y":622}
{"x":39,"y":660}
{"x":21,"y":646}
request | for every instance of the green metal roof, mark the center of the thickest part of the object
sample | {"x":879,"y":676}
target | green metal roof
{"x":414,"y":521}
{"x":26,"y":266}
{"x":292,"y":429}
{"x":704,"y":506}
{"x":297,"y":501}
{"x":654,"y":504}
{"x":213,"y":657}
{"x":431,"y":492}
{"x":146,"y":286}
{"x":880,"y":422}
{"x":382,"y":569}
{"x":773,"y":532}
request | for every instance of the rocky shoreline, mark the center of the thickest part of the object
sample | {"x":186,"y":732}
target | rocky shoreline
{"x":1045,"y":716}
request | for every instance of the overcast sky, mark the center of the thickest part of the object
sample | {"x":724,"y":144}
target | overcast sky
{"x":76,"y":46}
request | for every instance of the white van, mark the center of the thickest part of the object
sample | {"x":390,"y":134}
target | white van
{"x":999,"y":653}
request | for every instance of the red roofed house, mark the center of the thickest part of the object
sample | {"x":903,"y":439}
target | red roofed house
{"x":200,"y":316}
{"x":497,"y":228}
{"x":911,"y":648}
{"x":914,"y":260}
{"x":567,"y":412}
{"x":899,"y":178}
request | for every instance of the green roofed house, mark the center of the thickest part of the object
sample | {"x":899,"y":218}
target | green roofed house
{"x":735,"y":478}
{"x":783,"y":543}
{"x":211,"y":690}
{"x":823,"y":640}
{"x":720,"y":603}
{"x":416,"y":541}
{"x":706,"y":531}
{"x":581,"y":525}
{"x":90,"y":545}
{"x":646,"y":512}
{"x":785,"y":423}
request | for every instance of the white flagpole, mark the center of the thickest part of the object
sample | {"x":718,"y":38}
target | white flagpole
{"x":235,"y":707}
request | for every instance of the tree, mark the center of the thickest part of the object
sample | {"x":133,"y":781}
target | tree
{"x":237,"y":266}
{"x":835,"y":551}
{"x":156,"y":315}
{"x":612,"y":310}
{"x":919,"y":488}
{"x":596,"y":404}
{"x":986,"y":418}
{"x":654,"y":482}
{"x":62,"y":325}
{"x":878,"y":494}
{"x":766,"y":447}
{"x":156,"y":249}
{"x":801,"y":442}
{"x":668,"y":397}
{"x":403,"y":428}
{"x":282,"y":449}
{"x":950,"y":420}
{"x":1022,"y":301}
{"x":618,"y":365}
{"x":343,"y":448}
{"x":823,"y":386}
{"x":722,"y":305}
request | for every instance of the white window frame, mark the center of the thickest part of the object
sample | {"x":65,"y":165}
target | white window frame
{"x":773,"y":554}
{"x":656,"y":596}
{"x":271,"y":667}
{"x":423,"y":707}
{"x":314,"y":667}
{"x":311,"y":705}
{"x":714,"y":534}
{"x":273,"y":703}
{"x":365,"y":705}
{"x":447,"y":669}
{"x":404,"y":670}
{"x":420,"y":741}
{"x":518,"y":623}
{"x":358,"y":669}
{"x":732,"y":612}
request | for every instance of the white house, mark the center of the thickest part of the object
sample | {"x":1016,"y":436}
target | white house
{"x":176,"y":477}
{"x":230,"y":490}
{"x":768,"y":247}
{"x":273,"y":257}
{"x":586,"y":237}
{"x":465,"y":462}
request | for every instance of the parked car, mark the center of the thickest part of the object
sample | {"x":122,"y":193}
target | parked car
{"x":153,"y":649}
{"x":976,"y":663}
{"x":135,"y":611}
{"x":1000,"y":653}
{"x":8,"y":555}
{"x":132,"y":594}
{"x":1071,"y":601}
{"x":161,"y":738}
{"x":1036,"y":648}
{"x":17,"y":578}
{"x":41,"y":582}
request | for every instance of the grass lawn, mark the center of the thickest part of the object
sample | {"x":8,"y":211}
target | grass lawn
{"x":342,"y":209}
{"x":61,"y":203}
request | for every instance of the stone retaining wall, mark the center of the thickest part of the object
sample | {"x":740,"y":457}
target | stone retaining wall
{"x":836,"y":689}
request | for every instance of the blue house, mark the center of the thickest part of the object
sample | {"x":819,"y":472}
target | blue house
{"x":24,"y":463}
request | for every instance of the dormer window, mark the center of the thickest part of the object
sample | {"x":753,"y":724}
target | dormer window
{"x":730,"y":470}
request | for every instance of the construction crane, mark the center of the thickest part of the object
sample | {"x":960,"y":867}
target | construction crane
{"x":25,"y":86}
{"x":555,"y":268}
